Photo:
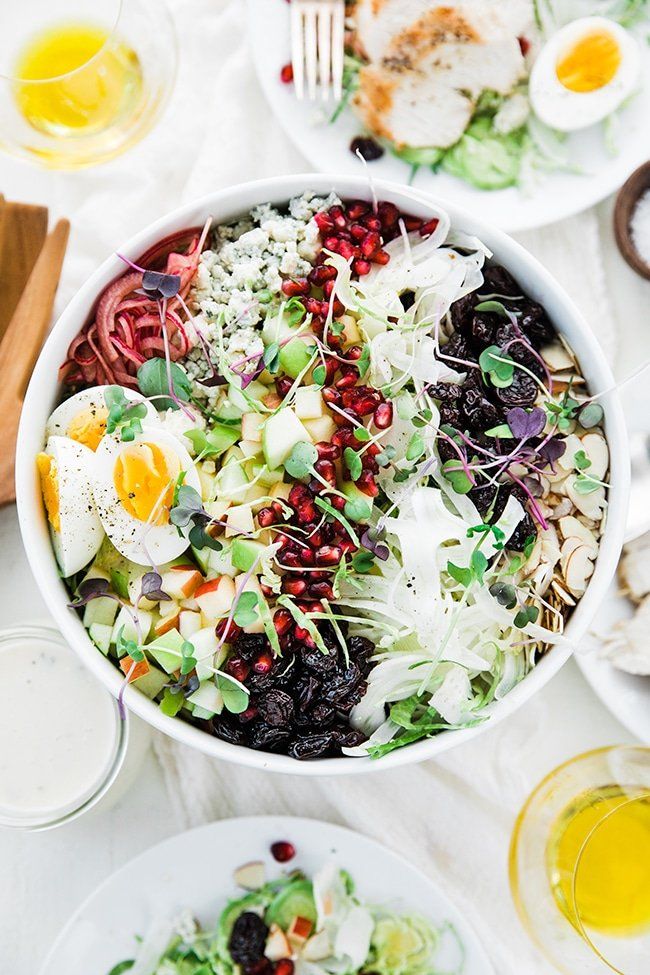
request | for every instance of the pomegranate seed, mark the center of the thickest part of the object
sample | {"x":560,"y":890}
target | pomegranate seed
{"x":366,"y":484}
{"x":388,"y":214}
{"x":283,"y":384}
{"x":343,"y":436}
{"x":237,"y":668}
{"x":365,"y":405}
{"x":263,"y":662}
{"x":332,"y":244}
{"x":266,"y":517}
{"x":358,"y":231}
{"x":353,"y":353}
{"x":324,"y":222}
{"x":291,"y":559}
{"x":383,"y":417}
{"x":357,"y":209}
{"x":328,"y":451}
{"x":331,"y":395}
{"x":298,"y":287}
{"x":361,"y":267}
{"x":370,"y":243}
{"x":412,"y":223}
{"x":229,"y":629}
{"x":338,"y":502}
{"x":248,"y":715}
{"x":337,"y":217}
{"x":348,"y":378}
{"x":347,"y":546}
{"x":328,"y":555}
{"x":315,"y":539}
{"x":328,"y":288}
{"x":266,"y":590}
{"x":380,"y":257}
{"x":427,"y":228}
{"x":321,"y":590}
{"x":322,"y":273}
{"x":297,"y":494}
{"x":306,"y":557}
{"x":327,"y":470}
{"x":279,"y":510}
{"x":372,"y":222}
{"x":524,"y":45}
{"x":348,"y":250}
{"x":312,"y":306}
{"x":283,"y":851}
{"x":294,"y":587}
{"x":370,"y":464}
{"x":282,"y":621}
{"x":306,"y":513}
{"x":286,"y":74}
{"x":302,"y":635}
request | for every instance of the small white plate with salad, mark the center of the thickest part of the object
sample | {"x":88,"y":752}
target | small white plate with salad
{"x":522,"y":111}
{"x":310,"y":899}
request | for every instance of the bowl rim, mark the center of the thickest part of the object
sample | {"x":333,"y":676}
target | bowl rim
{"x":225,"y":204}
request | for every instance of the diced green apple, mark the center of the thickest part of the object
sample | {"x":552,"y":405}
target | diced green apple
{"x":167,"y":650}
{"x":295,"y":356}
{"x":250,"y":448}
{"x":125,"y":618}
{"x":309,"y":403}
{"x":321,"y":428}
{"x":252,"y":425}
{"x":102,"y":611}
{"x":239,"y":520}
{"x":100,"y":634}
{"x":189,"y":623}
{"x":282,"y":431}
{"x":151,"y":683}
{"x":207,"y":697}
{"x":245,"y":551}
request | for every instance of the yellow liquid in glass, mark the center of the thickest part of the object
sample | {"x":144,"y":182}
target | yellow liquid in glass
{"x":95,"y":80}
{"x":612,"y":890}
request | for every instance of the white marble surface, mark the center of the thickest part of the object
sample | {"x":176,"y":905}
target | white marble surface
{"x":44,"y":876}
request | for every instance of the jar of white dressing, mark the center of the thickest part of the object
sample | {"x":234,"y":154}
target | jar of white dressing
{"x":63,"y":743}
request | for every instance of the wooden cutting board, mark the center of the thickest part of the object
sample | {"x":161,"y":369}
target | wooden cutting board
{"x":23,"y":228}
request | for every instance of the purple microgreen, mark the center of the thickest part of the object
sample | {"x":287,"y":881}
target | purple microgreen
{"x":524,"y":424}
{"x":159,"y":286}
{"x":537,"y":514}
{"x":88,"y":590}
{"x":187,"y":504}
{"x":552,"y":450}
{"x":371,"y":541}
{"x":151,"y":588}
{"x":200,"y":537}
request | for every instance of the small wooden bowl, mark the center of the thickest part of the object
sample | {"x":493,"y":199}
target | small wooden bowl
{"x":628,"y":197}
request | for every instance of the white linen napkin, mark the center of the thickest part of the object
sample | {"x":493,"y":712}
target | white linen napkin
{"x":452,"y":817}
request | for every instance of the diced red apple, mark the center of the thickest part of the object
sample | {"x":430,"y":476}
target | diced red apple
{"x":251,"y":426}
{"x":251,"y":876}
{"x":239,"y":520}
{"x":167,"y":623}
{"x":215,"y":597}
{"x":299,"y":930}
{"x":181,"y":581}
{"x":134,"y":669}
{"x":277,"y":945}
{"x":189,"y":623}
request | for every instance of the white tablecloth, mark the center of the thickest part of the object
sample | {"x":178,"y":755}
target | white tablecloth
{"x":453,"y":817}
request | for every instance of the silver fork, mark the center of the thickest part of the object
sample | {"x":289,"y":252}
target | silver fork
{"x":317,"y":28}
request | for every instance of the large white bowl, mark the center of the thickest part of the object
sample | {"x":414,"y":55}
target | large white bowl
{"x":44,"y":392}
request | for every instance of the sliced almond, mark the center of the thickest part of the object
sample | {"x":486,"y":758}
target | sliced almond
{"x":571,"y":527}
{"x":251,"y":876}
{"x":567,"y":461}
{"x":595,"y":447}
{"x":277,"y":944}
{"x":591,"y":504}
{"x":568,"y":548}
{"x":579,"y":568}
{"x":561,"y":592}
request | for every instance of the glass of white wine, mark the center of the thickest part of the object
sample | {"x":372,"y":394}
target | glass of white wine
{"x":580,"y":863}
{"x":82,"y":81}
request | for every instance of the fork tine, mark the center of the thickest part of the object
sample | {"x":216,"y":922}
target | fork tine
{"x":297,"y":50}
{"x":338,"y":41}
{"x":311,"y":49}
{"x":325,"y":50}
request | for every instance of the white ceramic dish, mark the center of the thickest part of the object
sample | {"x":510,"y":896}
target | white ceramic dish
{"x":558,"y":194}
{"x":627,"y":696}
{"x":157,"y":884}
{"x":225,"y":205}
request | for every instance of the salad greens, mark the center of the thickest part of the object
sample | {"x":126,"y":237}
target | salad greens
{"x":317,"y":926}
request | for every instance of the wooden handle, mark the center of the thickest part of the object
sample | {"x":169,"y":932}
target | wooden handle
{"x":23,"y":229}
{"x":21,"y":344}
{"x":24,"y":337}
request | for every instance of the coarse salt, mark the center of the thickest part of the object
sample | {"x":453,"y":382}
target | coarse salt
{"x":640,"y":227}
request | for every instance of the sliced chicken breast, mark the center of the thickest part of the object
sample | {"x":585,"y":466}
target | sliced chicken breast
{"x":422,"y":90}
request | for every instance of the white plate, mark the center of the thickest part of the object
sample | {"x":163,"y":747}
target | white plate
{"x":558,"y":195}
{"x":195,"y":870}
{"x":625,"y":695}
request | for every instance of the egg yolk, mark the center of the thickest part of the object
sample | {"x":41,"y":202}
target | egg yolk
{"x":144,"y":476}
{"x":89,"y":426}
{"x":50,"y":488}
{"x":589,"y":64}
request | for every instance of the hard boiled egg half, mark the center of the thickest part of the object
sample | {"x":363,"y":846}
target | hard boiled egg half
{"x":584,"y":73}
{"x":83,"y":417}
{"x":64,"y":469}
{"x":134,"y":486}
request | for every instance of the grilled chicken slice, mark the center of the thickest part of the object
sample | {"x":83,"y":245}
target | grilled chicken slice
{"x":430,"y":62}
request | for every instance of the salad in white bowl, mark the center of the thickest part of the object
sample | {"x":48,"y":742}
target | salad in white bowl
{"x":325,"y":480}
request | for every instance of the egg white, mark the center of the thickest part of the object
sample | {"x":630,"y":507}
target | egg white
{"x":80,"y":534}
{"x":89,"y":400}
{"x":567,"y":110}
{"x":137,"y":541}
